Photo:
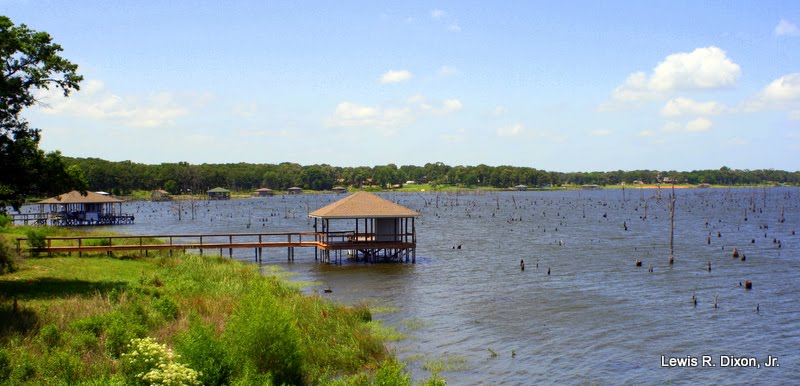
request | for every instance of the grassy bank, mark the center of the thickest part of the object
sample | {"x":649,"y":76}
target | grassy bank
{"x":180,"y":320}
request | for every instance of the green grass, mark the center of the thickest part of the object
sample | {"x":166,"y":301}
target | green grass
{"x":71,"y":320}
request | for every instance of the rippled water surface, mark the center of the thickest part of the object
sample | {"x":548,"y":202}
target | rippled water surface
{"x":596,"y":317}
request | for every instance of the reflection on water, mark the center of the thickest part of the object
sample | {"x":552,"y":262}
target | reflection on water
{"x":596,"y":317}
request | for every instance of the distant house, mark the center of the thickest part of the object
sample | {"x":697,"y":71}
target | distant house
{"x":295,"y":190}
{"x":160,"y":195}
{"x":264,"y":192}
{"x":521,"y":188}
{"x":219,"y":194}
{"x":74,"y":209}
{"x":339,"y":189}
{"x":704,"y":185}
{"x":591,"y":187}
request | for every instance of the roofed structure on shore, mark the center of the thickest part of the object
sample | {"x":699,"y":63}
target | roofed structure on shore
{"x":383,"y":229}
{"x":218,"y":193}
{"x":295,"y":190}
{"x":75,"y":208}
{"x":264,"y":192}
{"x":160,"y":195}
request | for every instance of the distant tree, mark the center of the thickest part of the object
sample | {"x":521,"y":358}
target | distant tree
{"x":30,"y":62}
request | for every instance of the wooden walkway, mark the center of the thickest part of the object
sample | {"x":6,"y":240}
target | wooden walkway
{"x":359,"y":244}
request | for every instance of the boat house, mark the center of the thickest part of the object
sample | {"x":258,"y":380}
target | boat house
{"x":75,"y":209}
{"x":367,"y":227}
{"x":219,"y":194}
{"x":264,"y":192}
{"x":295,"y":190}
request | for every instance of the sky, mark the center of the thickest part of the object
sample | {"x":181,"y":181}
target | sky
{"x":554,"y":85}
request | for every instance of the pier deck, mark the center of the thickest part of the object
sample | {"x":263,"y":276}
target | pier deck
{"x":360,"y":244}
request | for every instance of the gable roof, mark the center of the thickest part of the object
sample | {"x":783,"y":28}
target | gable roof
{"x":363,"y":205}
{"x":75,"y":197}
{"x":218,"y":190}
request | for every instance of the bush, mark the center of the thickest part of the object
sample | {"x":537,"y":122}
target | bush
{"x":61,"y":367}
{"x":49,"y":336}
{"x":4,"y":220}
{"x":8,"y":256}
{"x":262,"y":335}
{"x":5,"y":366}
{"x":37,"y":239}
{"x":203,"y":351}
{"x":148,"y":362}
{"x":391,"y":373}
{"x":166,"y":307}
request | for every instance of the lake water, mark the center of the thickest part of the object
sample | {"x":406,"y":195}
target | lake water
{"x":596,"y":317}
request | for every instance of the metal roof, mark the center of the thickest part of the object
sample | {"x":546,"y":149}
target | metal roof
{"x":363,"y":205}
{"x":75,"y":197}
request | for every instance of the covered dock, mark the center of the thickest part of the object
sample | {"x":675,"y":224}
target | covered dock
{"x":77,"y":209}
{"x":367,"y":227}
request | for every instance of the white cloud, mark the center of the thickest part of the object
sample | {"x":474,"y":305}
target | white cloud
{"x":519,"y":130}
{"x":448,"y":105}
{"x":448,"y":71}
{"x":781,"y":93}
{"x":455,"y":137}
{"x":786,"y":28}
{"x":393,"y":76}
{"x":685,"y":106}
{"x":647,"y":133}
{"x":95,"y":102}
{"x":698,"y":125}
{"x":451,"y":105}
{"x":600,"y":133}
{"x":703,"y":68}
{"x":500,"y":110}
{"x":693,"y":126}
{"x":795,"y":115}
{"x":245,"y":110}
{"x":437,"y":14}
{"x":388,"y":118}
{"x":454,"y":27}
{"x":349,"y":114}
{"x":511,"y":131}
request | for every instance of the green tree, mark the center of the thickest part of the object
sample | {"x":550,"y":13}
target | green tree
{"x":30,"y":62}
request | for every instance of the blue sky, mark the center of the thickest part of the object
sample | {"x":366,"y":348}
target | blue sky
{"x":561,"y":86}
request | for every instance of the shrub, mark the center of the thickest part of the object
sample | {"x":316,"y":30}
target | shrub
{"x":37,"y":239}
{"x":4,"y":220}
{"x":202,"y":350}
{"x":166,"y":307}
{"x":5,"y":366}
{"x":49,"y":336}
{"x":61,"y":367}
{"x":391,"y":373}
{"x":261,"y":334}
{"x":148,"y":362}
{"x":8,"y":256}
{"x":119,"y":331}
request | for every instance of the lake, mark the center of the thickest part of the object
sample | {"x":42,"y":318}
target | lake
{"x":581,"y":311}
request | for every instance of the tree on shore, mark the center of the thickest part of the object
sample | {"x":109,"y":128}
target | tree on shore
{"x":30,"y":62}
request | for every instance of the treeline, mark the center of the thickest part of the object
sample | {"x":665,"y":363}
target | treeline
{"x":126,"y":176}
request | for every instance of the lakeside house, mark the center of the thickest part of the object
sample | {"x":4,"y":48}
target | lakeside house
{"x":219,"y":194}
{"x":368,"y":226}
{"x":264,"y":192}
{"x":77,"y":209}
{"x":591,"y":187}
{"x":339,"y":189}
{"x":160,"y":195}
{"x":521,"y":188}
{"x":295,"y":190}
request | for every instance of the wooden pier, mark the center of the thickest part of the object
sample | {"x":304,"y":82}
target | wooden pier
{"x":328,"y":247}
